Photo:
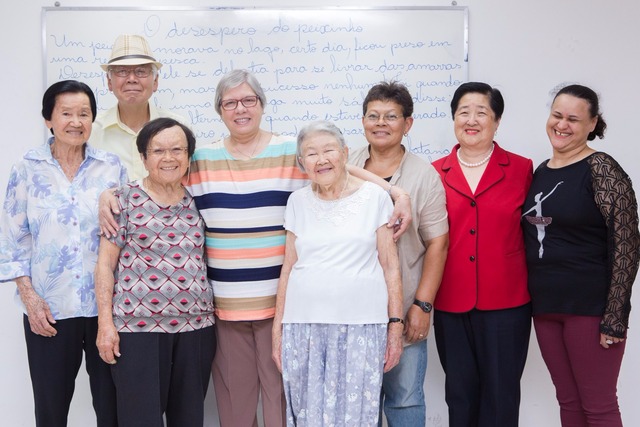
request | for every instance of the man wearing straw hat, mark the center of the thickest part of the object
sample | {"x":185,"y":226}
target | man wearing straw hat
{"x":132,"y":76}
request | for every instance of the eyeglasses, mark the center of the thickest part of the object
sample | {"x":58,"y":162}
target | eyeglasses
{"x":174,"y":152}
{"x":387,"y":118}
{"x":232,"y":104}
{"x":140,"y":72}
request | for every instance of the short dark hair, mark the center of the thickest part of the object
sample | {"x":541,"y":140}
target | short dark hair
{"x":496,"y":102}
{"x":66,"y":86}
{"x":156,"y":126}
{"x":390,"y":91}
{"x":589,"y":95}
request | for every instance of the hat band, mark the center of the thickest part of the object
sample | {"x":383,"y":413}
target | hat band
{"x":119,"y":58}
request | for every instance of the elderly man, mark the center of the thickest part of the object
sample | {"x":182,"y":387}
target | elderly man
{"x":132,"y":76}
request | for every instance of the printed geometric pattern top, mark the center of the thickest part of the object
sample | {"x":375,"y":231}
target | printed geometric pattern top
{"x":161,"y":278}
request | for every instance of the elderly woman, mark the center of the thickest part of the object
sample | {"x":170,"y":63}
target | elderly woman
{"x":583,"y":246}
{"x":241,"y":184}
{"x":339,"y":319}
{"x":483,"y":311}
{"x":49,"y":247}
{"x":422,"y":250}
{"x":155,"y":303}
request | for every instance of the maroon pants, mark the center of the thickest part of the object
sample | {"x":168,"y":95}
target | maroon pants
{"x":584,"y":373}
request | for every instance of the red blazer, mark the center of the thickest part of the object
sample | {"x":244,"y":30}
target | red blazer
{"x":486,"y":267}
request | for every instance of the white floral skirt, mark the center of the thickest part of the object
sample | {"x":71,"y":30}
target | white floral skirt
{"x":333,"y":373}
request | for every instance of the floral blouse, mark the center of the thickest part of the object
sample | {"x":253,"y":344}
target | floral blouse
{"x":49,"y":227}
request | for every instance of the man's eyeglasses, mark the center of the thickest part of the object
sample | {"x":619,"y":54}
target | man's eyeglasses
{"x":140,"y":72}
{"x":232,"y":104}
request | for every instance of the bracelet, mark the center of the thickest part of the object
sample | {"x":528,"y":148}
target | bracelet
{"x":396,"y":320}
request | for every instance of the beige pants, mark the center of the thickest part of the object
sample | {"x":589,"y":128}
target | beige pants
{"x":243,"y":370}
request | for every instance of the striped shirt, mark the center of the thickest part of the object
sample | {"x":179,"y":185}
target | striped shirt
{"x":243,"y":203}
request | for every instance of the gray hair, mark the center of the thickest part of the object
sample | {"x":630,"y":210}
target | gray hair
{"x":235,"y":78}
{"x":321,"y":126}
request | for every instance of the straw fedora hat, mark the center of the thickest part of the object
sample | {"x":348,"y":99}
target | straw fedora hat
{"x":130,"y":49}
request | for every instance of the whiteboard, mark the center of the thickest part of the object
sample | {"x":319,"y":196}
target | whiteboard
{"x":313,"y":63}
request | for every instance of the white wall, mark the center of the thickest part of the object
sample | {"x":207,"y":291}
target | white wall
{"x":523,"y":48}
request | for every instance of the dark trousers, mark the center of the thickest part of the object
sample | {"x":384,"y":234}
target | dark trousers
{"x":483,"y":355}
{"x":163,"y":374}
{"x":54,"y":363}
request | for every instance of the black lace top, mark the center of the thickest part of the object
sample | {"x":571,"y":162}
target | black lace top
{"x":581,"y":233}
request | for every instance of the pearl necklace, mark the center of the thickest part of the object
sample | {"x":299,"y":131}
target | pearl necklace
{"x":346,"y":183}
{"x":475,"y":165}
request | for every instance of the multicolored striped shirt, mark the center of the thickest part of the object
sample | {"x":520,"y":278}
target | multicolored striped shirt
{"x":243,"y":203}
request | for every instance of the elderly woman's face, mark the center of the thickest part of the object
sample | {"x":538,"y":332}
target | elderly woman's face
{"x":475,"y":122}
{"x":569,"y":123}
{"x":167,"y":156}
{"x":384,"y":124}
{"x":242,"y":121}
{"x":71,"y":119}
{"x":323,"y":158}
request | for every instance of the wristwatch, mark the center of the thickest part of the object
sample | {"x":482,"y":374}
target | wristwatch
{"x":425,"y":306}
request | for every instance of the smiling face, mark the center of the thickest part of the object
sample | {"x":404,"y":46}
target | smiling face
{"x":167,"y":159}
{"x":242,"y":122}
{"x":323,"y":158}
{"x":381,"y":133}
{"x":71,"y":119}
{"x":569,"y":123}
{"x":475,"y":122}
{"x":133,"y":90}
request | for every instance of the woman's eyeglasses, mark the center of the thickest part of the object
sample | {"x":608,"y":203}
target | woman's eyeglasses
{"x":232,"y":104}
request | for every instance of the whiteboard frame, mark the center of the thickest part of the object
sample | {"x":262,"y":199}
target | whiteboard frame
{"x":45,"y":10}
{"x":430,"y":145}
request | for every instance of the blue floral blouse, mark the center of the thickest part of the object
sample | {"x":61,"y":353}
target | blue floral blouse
{"x":49,"y":227}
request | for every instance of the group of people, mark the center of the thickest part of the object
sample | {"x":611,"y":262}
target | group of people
{"x":307,"y":275}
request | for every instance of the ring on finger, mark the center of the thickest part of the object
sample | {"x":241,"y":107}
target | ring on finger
{"x":609,"y":342}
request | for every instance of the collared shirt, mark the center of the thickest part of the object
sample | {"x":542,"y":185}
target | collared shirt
{"x":111,"y":135}
{"x":429,"y":211}
{"x":49,"y":227}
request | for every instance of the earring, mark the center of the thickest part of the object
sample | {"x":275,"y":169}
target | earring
{"x":406,"y":134}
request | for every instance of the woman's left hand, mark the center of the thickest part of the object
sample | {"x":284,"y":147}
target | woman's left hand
{"x":394,"y":346}
{"x":606,"y":340}
{"x":417,"y":324}
{"x":401,"y":217}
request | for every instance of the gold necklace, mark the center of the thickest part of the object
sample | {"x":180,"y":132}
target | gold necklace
{"x":253,"y":152}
